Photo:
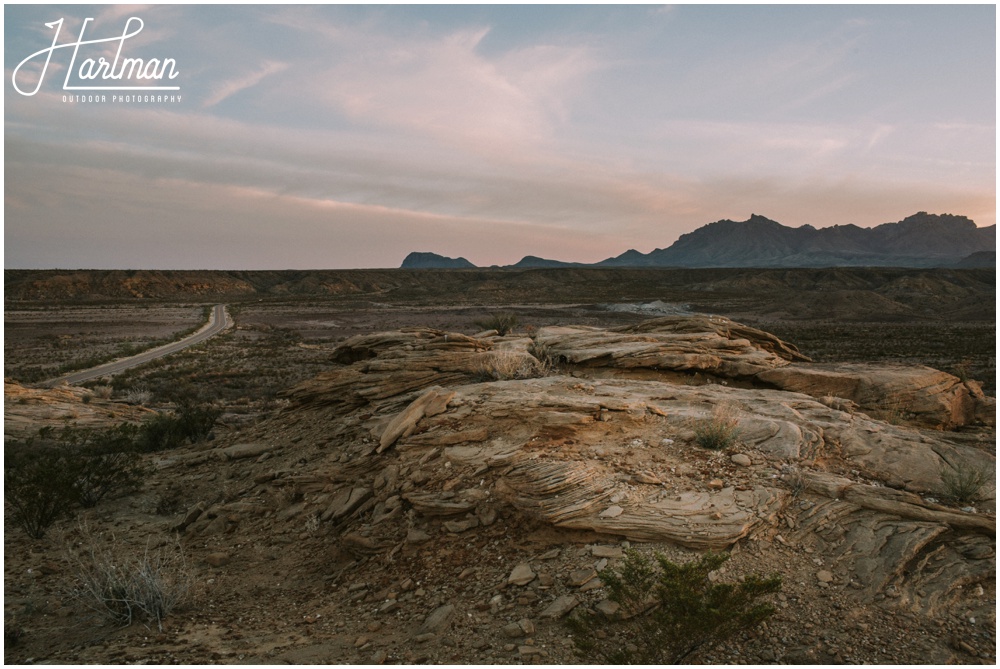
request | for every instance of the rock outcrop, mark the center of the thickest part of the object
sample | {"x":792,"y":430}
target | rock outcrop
{"x":593,"y":446}
{"x":25,"y":410}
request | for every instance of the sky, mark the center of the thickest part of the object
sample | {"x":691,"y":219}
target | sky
{"x":348,"y":136}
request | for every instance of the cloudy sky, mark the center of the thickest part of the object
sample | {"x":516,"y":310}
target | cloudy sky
{"x":348,"y":136}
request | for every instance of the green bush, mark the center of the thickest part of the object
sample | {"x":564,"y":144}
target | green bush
{"x":169,"y":431}
{"x":45,"y":478}
{"x":39,"y":485}
{"x":668,"y":611}
{"x":965,"y":483}
{"x":503,"y":323}
{"x":104,"y":461}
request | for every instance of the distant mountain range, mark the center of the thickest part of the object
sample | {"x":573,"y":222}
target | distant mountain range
{"x":418,"y":260}
{"x":921,"y":240}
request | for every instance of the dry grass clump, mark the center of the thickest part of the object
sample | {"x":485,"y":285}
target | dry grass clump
{"x":139,"y":395}
{"x":506,"y":365}
{"x":719,"y":432}
{"x":503,"y":323}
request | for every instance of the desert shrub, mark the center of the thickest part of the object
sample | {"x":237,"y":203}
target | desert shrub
{"x":103,"y":461}
{"x":102,"y":392}
{"x":39,"y":485}
{"x":544,"y":354}
{"x":720,"y":431}
{"x":140,"y":395}
{"x":503,"y":323}
{"x":965,"y":483}
{"x":127,"y":588}
{"x":168,"y":431}
{"x":507,"y":365}
{"x":668,"y":611}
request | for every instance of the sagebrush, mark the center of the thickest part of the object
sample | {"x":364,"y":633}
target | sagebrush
{"x":668,"y":611}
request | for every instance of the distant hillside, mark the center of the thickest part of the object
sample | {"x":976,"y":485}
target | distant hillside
{"x":536,"y":262}
{"x":921,"y":240}
{"x":979,"y":259}
{"x":417,"y":260}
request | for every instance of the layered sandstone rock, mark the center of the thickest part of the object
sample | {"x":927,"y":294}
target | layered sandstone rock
{"x":591,"y":446}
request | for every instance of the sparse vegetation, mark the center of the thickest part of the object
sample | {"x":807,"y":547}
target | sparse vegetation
{"x":544,"y":354}
{"x":503,"y":323}
{"x":125,"y":588}
{"x":964,"y":483}
{"x":168,"y":431}
{"x":139,"y":395}
{"x":105,"y":461}
{"x":506,"y":365}
{"x":719,"y":432}
{"x":667,"y":611}
{"x":39,"y":485}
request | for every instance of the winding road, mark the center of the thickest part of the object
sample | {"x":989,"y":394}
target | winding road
{"x":218,"y":321}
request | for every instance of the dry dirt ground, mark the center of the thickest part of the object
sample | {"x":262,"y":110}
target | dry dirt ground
{"x":272,"y":583}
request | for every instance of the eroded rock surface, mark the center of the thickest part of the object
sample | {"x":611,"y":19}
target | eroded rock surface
{"x":617,"y":455}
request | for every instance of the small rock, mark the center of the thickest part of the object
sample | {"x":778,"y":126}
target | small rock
{"x":425,"y":637}
{"x":560,"y":607}
{"x":217,"y":559}
{"x":611,"y":512}
{"x":459,"y":526}
{"x":522,"y":575}
{"x":379,"y":657}
{"x":646,"y":477}
{"x":606,"y":551}
{"x":49,"y":568}
{"x":580,"y":576}
{"x":415,"y":536}
{"x":526,"y":626}
{"x":192,"y":515}
{"x":512,"y":630}
{"x":607,"y":607}
{"x":824,"y":576}
{"x":666,"y":442}
{"x":716,"y":484}
{"x":529,"y":651}
{"x":601,"y":564}
{"x":487,"y":515}
{"x":361,"y":642}
{"x":550,"y":555}
{"x":438,"y":620}
{"x":741,"y":459}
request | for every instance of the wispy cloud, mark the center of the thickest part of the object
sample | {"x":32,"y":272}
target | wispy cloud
{"x":233,"y":86}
